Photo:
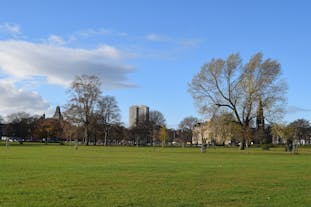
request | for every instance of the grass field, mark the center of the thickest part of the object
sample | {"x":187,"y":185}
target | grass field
{"x":127,"y":176}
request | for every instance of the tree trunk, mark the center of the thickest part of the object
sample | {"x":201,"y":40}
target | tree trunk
{"x":76,"y":144}
{"x":204,"y":145}
{"x":95,"y":138}
{"x":86,"y":135}
{"x":105,"y":138}
{"x":243,"y":144}
{"x":289,"y":146}
{"x":245,"y":136}
{"x":153,"y":143}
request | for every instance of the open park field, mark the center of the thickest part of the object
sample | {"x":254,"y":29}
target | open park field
{"x":39,"y":175}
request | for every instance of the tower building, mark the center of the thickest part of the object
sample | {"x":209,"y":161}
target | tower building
{"x":138,"y":114}
{"x":260,"y":119}
{"x":58,"y":115}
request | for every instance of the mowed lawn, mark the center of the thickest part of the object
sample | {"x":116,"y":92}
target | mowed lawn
{"x":128,"y":176}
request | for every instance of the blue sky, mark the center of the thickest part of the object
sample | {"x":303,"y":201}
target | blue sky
{"x":149,"y":50}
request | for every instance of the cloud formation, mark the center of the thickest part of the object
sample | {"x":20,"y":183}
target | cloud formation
{"x":296,"y":109}
{"x":59,"y":64}
{"x":95,"y":32}
{"x":32,"y":65}
{"x":11,"y":29}
{"x":158,"y":38}
{"x":56,"y":40}
{"x":182,"y":42}
{"x":18,"y":100}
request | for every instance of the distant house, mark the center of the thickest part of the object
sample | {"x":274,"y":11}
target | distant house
{"x":225,"y":130}
{"x":200,"y":132}
{"x":204,"y":131}
{"x":302,"y":140}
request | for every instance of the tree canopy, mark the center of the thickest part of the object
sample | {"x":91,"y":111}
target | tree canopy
{"x":108,"y":114}
{"x":156,"y":118}
{"x":231,"y":86}
{"x":188,"y":123}
{"x":84,"y":93}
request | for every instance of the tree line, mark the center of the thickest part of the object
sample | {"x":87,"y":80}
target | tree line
{"x":91,"y":118}
{"x":226,"y":92}
{"x":23,"y":127}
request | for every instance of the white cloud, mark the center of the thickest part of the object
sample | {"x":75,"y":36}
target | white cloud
{"x":59,"y":64}
{"x":122,"y":34}
{"x":157,"y":38}
{"x":11,"y":29}
{"x":183,"y":42}
{"x":93,"y":32}
{"x":19,"y":100}
{"x":296,"y":109}
{"x":191,"y":43}
{"x":56,"y":40}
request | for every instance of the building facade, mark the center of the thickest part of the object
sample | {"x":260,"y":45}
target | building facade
{"x":227,"y":133}
{"x":138,"y":114}
{"x":205,"y":133}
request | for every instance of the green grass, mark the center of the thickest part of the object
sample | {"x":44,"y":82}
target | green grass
{"x":127,"y":176}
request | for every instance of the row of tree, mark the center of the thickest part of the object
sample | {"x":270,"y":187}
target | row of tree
{"x":24,"y":127}
{"x":154,"y":132}
{"x":93,"y":118}
{"x":223,"y":89}
{"x":223,"y":129}
{"x":91,"y":111}
{"x":292,"y":134}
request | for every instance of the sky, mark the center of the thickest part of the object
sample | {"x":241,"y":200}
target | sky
{"x":145,"y":51}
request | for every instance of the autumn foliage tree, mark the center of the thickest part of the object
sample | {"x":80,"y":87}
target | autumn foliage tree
{"x":163,"y":135}
{"x":47,"y":129}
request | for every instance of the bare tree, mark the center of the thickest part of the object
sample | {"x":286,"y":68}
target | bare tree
{"x":19,"y":125}
{"x":108,"y":114}
{"x":84,"y":93}
{"x":229,"y":86}
{"x":188,"y":123}
{"x":156,"y":121}
{"x":156,"y":118}
{"x":301,"y":128}
{"x":186,"y":126}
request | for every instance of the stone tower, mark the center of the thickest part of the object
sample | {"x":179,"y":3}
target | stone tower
{"x":260,"y":119}
{"x":58,"y":115}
